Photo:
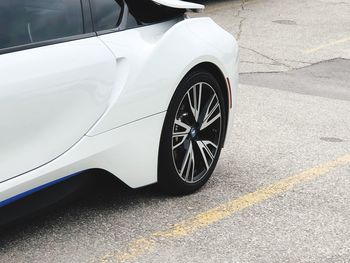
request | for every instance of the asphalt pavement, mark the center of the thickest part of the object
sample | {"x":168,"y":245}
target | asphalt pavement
{"x":280,"y":192}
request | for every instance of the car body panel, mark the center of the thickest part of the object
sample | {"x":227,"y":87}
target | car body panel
{"x":147,"y":91}
{"x":114,"y":151}
{"x":49,"y":98}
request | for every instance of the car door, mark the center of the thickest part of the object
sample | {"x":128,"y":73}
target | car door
{"x":56,"y":80}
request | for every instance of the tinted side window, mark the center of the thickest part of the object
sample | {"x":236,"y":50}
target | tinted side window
{"x":30,"y":21}
{"x":132,"y":22}
{"x":106,"y":14}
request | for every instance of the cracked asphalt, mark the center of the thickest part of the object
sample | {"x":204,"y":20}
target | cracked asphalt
{"x":283,"y":35}
{"x":280,"y":192}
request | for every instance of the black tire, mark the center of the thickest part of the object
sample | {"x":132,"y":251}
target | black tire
{"x":171,"y":170}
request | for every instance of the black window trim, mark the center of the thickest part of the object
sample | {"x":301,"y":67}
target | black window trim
{"x":88,"y":32}
{"x":87,"y":16}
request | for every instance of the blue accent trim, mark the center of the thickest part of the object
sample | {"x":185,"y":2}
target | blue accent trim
{"x":37,"y":189}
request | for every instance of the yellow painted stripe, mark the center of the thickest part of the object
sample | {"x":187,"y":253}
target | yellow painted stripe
{"x":330,"y":44}
{"x":133,"y":251}
{"x":202,"y":220}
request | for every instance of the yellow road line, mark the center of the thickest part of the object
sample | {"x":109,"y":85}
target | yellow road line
{"x":330,"y":44}
{"x":202,"y":220}
{"x":133,"y":251}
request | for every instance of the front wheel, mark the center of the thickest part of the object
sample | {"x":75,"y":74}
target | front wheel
{"x":192,"y":135}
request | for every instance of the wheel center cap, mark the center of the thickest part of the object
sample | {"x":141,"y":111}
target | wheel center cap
{"x":194,"y":132}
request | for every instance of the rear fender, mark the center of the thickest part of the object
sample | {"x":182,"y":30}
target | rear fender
{"x":155,"y":60}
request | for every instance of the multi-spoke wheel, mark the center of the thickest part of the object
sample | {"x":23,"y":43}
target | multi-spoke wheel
{"x":192,"y":134}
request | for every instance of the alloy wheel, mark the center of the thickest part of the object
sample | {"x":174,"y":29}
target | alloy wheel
{"x":196,"y":132}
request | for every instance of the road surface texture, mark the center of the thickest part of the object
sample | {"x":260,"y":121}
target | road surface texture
{"x":280,"y":192}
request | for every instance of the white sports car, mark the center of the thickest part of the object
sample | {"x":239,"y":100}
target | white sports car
{"x":133,"y":87}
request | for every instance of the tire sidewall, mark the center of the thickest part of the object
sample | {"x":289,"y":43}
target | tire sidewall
{"x":168,"y":178}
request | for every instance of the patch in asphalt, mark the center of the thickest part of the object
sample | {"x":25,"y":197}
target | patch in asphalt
{"x":330,"y":79}
{"x":331,"y":139}
{"x":285,"y":22}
